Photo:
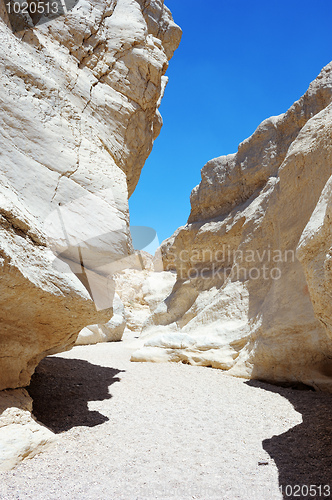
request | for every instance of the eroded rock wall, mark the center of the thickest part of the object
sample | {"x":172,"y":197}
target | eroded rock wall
{"x":254,"y":260}
{"x":79,"y":101}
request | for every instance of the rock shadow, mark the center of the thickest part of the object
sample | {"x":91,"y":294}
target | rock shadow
{"x":303,"y":454}
{"x":61,"y":389}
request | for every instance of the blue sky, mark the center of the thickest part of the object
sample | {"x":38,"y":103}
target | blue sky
{"x":239,"y":62}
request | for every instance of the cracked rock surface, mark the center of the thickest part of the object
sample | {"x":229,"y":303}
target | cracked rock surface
{"x":79,"y":101}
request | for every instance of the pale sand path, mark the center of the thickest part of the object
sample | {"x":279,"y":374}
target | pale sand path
{"x":144,"y":431}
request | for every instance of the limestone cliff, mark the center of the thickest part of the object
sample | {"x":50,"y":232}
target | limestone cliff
{"x":253,"y":262}
{"x":79,"y":99}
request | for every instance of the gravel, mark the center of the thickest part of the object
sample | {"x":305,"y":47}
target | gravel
{"x":147,"y":431}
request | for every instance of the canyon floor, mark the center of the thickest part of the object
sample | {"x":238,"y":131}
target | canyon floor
{"x":143,"y":431}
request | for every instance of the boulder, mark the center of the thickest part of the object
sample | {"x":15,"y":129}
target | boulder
{"x":20,"y":435}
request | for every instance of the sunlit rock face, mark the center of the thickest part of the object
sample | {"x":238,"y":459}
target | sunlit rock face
{"x":253,"y":293}
{"x":139,"y":290}
{"x":315,"y":254}
{"x":79,"y":99}
{"x":112,"y":331}
{"x":20,"y":435}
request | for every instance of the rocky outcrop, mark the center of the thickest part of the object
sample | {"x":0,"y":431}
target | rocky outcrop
{"x":78,"y":117}
{"x":139,"y":290}
{"x":112,"y":331}
{"x":20,"y":435}
{"x":253,"y":262}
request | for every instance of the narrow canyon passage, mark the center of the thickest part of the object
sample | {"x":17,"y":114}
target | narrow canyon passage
{"x":143,"y":431}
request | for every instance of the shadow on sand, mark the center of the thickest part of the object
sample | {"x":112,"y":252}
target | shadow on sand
{"x":61,"y":389}
{"x":303,"y":454}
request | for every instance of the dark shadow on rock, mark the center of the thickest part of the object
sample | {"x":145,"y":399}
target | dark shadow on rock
{"x":61,"y":389}
{"x":303,"y":454}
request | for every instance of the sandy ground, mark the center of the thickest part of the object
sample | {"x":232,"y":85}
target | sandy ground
{"x":148,"y":431}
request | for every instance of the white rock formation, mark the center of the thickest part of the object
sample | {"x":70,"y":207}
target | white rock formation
{"x":78,"y":116}
{"x":20,"y":435}
{"x":253,"y":293}
{"x":141,"y":292}
{"x":112,"y":331}
{"x":315,"y":254}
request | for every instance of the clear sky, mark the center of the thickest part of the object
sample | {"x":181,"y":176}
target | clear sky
{"x":239,"y":62}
